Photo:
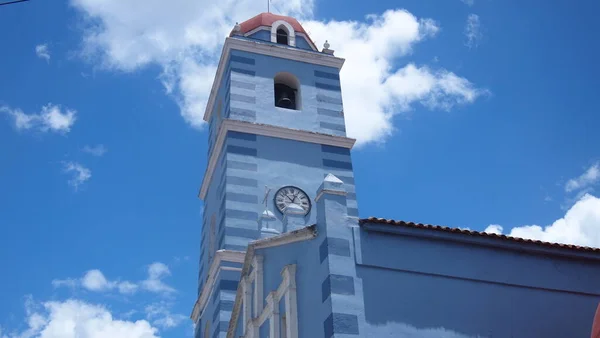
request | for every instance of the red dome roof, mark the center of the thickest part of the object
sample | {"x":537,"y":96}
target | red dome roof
{"x":267,"y":19}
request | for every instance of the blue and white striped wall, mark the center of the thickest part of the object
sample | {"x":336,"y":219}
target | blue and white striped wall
{"x":247,"y":162}
{"x":220,"y":303}
{"x":251,"y":94}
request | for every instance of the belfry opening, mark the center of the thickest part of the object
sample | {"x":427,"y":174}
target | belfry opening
{"x":282,"y":36}
{"x":286,"y":90}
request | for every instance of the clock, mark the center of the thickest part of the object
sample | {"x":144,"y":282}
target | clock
{"x":289,"y":195}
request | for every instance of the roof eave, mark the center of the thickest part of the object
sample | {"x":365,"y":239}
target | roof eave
{"x":477,"y":238}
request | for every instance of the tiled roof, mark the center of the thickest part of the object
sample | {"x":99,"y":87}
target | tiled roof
{"x":374,"y":220}
{"x":267,"y":19}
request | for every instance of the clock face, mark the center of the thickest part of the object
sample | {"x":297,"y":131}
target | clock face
{"x":291,"y":195}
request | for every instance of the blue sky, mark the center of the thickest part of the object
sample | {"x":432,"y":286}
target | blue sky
{"x":478,"y":114}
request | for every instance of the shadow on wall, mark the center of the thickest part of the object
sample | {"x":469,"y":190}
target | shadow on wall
{"x":409,"y":331}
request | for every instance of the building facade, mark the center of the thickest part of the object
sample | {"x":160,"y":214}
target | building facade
{"x":284,"y":254}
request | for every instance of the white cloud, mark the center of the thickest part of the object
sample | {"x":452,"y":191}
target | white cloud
{"x":127,"y":35}
{"x":473,"y":30}
{"x":189,"y":83}
{"x":80,"y":174}
{"x":494,"y":229}
{"x":579,"y":226}
{"x":127,"y":287}
{"x":74,"y":318}
{"x":77,"y":319}
{"x":43,"y":52}
{"x":468,"y":2}
{"x":590,"y":177}
{"x":156,"y":273}
{"x":185,"y":38}
{"x":69,"y":283}
{"x":129,"y":313}
{"x":94,"y":280}
{"x":50,"y":118}
{"x":160,"y":315}
{"x":369,"y":81}
{"x":97,"y":150}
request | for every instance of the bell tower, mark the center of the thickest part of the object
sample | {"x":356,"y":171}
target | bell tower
{"x":276,"y":130}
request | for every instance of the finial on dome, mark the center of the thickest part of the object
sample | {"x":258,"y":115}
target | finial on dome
{"x":326,"y":49}
{"x":237,"y":28}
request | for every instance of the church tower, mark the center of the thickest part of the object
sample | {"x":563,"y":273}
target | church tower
{"x":276,"y":129}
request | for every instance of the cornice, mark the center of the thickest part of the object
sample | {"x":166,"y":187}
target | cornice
{"x":483,"y":239}
{"x":329,"y":192}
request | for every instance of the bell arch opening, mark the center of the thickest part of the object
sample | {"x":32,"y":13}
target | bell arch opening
{"x":287,"y":91}
{"x":282,"y":35}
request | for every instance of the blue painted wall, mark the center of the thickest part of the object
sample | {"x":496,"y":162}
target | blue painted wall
{"x":470,"y":290}
{"x":406,"y":282}
{"x":274,"y":163}
{"x":263,"y":34}
{"x":354,"y":281}
{"x":302,"y":43}
{"x":221,"y":106}
{"x":308,"y":270}
{"x":247,"y":163}
{"x":321,"y":294}
{"x":246,"y":93}
{"x":220,"y":304}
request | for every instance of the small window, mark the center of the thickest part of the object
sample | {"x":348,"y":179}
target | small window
{"x":282,"y":36}
{"x":287,"y":91}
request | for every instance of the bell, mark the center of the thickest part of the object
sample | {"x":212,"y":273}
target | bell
{"x":284,"y":101}
{"x":285,"y":96}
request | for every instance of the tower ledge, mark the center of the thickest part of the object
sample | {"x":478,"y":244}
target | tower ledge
{"x":266,"y":130}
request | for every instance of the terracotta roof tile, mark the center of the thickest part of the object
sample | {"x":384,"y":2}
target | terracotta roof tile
{"x":267,"y":19}
{"x":374,"y":220}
